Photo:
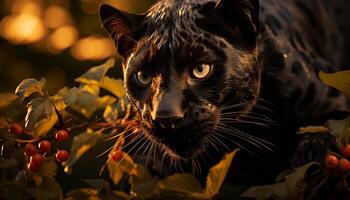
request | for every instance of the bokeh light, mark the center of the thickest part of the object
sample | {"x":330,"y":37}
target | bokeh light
{"x":93,"y":48}
{"x":22,"y":29}
{"x":56,"y":16}
{"x":62,"y":38}
{"x":39,"y":36}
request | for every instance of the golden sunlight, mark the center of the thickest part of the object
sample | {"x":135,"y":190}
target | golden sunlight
{"x":56,"y":16}
{"x":93,"y":48}
{"x":62,"y":38}
{"x":22,"y":29}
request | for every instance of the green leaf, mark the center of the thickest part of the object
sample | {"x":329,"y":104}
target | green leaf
{"x":72,"y":96}
{"x":39,"y":108}
{"x":7,"y":99}
{"x":267,"y":192}
{"x":30,"y":86}
{"x":338,"y":80}
{"x":218,"y":173}
{"x":118,"y":169}
{"x":142,"y":183}
{"x":339,"y":128}
{"x":181,"y":186}
{"x":293,"y":187}
{"x":80,"y":145}
{"x":48,"y":168}
{"x":48,"y":189}
{"x":95,"y":74}
{"x":88,"y":103}
{"x":116,"y":87}
{"x":98,"y":184}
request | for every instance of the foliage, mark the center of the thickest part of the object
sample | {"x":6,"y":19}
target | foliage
{"x":96,"y":112}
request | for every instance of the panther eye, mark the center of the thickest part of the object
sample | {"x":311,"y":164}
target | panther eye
{"x":202,"y":71}
{"x":144,"y":79}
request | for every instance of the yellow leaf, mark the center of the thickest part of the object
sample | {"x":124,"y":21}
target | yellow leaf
{"x":118,"y":168}
{"x":114,"y":86}
{"x":339,"y":128}
{"x":218,"y":173}
{"x":83,"y":194}
{"x":313,"y":129}
{"x":30,"y":86}
{"x":7,"y":99}
{"x":180,"y":186}
{"x":88,"y":103}
{"x":39,"y":108}
{"x":338,"y":80}
{"x":96,"y":73}
{"x":42,"y":127}
{"x":48,"y":168}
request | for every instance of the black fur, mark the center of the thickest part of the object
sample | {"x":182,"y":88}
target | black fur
{"x":262,"y":87}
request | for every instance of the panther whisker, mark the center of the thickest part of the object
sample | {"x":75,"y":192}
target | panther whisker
{"x":247,"y":135}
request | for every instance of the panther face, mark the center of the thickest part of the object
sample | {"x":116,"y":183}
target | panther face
{"x":191,"y":72}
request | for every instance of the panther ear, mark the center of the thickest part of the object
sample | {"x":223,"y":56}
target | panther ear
{"x":244,"y":13}
{"x":121,"y":26}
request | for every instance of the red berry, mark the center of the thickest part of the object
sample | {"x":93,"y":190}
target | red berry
{"x":62,"y":155}
{"x":117,"y":155}
{"x":62,"y":135}
{"x":346,"y":151}
{"x":45,"y":146}
{"x":37,"y":159}
{"x":30,"y":149}
{"x":344,"y":165}
{"x":331,"y":161}
{"x":16,"y":129}
{"x":33,"y":167}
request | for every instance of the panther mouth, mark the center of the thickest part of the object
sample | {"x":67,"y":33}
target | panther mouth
{"x":182,"y":142}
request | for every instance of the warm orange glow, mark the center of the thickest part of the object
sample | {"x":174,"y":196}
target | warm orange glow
{"x":93,"y":48}
{"x":22,"y":29}
{"x":56,"y":16}
{"x":121,"y":4}
{"x":32,"y":7}
{"x":63,"y":38}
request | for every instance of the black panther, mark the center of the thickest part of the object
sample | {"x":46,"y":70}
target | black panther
{"x":208,"y":76}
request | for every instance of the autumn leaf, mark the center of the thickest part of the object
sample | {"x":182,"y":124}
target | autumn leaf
{"x":39,"y":108}
{"x":30,"y":86}
{"x":88,"y":103}
{"x":95,"y":74}
{"x":115,"y":111}
{"x":338,"y":80}
{"x":118,"y":168}
{"x":7,"y":99}
{"x":116,"y":87}
{"x":47,"y":189}
{"x":48,"y":168}
{"x":184,"y":185}
{"x":313,"y":129}
{"x":142,"y":183}
{"x":81,"y":144}
{"x":72,"y":96}
{"x":293,"y":186}
{"x":339,"y":128}
{"x":218,"y":173}
{"x":83,"y":194}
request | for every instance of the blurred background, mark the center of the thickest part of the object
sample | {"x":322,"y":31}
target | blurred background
{"x":55,"y":39}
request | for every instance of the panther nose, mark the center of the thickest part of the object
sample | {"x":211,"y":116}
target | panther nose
{"x":168,"y":122}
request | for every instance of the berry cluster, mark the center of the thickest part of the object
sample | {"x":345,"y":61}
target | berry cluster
{"x":36,"y":153}
{"x":339,"y":162}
